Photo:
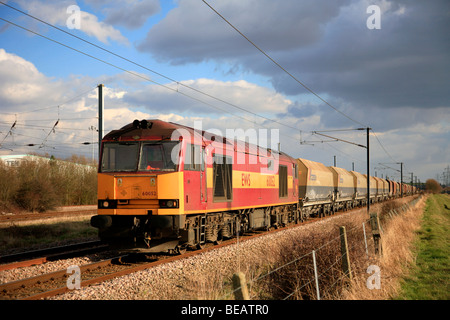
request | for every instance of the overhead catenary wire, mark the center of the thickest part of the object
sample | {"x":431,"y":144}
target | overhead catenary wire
{"x":55,"y":106}
{"x":281,"y":67}
{"x":293,"y":77}
{"x":9,"y":132}
{"x":30,"y":124}
{"x":139,"y":75}
{"x":178,"y":82}
{"x":384,"y":149}
{"x":148,"y":69}
{"x":51,"y":130}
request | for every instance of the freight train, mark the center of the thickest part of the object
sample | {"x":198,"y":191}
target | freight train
{"x":167,"y":187}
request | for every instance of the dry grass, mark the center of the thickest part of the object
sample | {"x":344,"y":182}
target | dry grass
{"x":295,"y":278}
{"x":287,"y":272}
{"x":397,"y":243}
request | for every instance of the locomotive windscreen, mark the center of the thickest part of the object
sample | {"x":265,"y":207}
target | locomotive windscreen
{"x":157,"y":156}
{"x":139,"y":156}
{"x":119,"y":156}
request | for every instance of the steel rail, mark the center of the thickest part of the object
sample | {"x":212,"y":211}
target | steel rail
{"x":49,"y":254}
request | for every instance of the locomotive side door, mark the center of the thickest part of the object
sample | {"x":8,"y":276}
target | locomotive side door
{"x":193,"y":178}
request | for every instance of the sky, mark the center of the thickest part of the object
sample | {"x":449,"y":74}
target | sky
{"x":320,"y":66}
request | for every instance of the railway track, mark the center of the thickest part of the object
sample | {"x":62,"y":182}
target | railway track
{"x":40,"y":256}
{"x":51,"y":284}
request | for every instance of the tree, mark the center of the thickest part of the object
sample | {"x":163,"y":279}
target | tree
{"x":433,"y":186}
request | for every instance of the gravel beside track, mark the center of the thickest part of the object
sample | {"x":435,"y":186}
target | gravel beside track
{"x":204,"y":276}
{"x":27,"y":272}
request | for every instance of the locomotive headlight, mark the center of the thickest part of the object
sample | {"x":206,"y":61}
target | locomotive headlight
{"x":168,"y":203}
{"x":107,"y":204}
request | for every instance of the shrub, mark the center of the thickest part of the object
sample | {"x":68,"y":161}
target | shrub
{"x":8,"y":185}
{"x":42,"y":184}
{"x":433,"y":186}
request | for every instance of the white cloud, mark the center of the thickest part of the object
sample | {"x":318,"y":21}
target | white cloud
{"x":416,"y":138}
{"x":100,"y":30}
{"x":21,"y":84}
{"x":35,"y":102}
{"x":56,"y":13}
{"x":243,"y":94}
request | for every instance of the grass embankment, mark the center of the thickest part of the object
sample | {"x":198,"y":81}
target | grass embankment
{"x":415,"y":260}
{"x":40,"y":234}
{"x":430,"y":277}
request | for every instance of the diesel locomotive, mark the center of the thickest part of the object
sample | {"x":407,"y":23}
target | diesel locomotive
{"x":164,"y":186}
{"x":167,"y":187}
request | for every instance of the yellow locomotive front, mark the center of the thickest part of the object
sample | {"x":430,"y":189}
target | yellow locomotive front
{"x":136,"y":177}
{"x":139,"y":187}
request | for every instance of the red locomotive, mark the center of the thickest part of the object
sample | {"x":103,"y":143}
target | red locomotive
{"x":164,"y":186}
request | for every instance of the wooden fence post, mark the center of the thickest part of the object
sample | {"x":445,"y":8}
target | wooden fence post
{"x":365,"y":239}
{"x":376,"y":233}
{"x":344,"y":251}
{"x":240,"y":286}
{"x":316,"y":277}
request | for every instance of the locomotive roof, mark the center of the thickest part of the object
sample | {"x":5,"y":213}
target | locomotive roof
{"x":155,"y":129}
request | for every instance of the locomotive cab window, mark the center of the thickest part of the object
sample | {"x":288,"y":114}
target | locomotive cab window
{"x":282,"y":181}
{"x":119,"y":156}
{"x":193,"y":159}
{"x":157,"y":155}
{"x":223,"y":177}
{"x":145,"y":156}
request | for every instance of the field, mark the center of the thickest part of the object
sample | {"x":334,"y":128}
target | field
{"x":430,"y":276}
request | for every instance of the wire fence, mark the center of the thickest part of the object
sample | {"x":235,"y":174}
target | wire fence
{"x":318,"y":272}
